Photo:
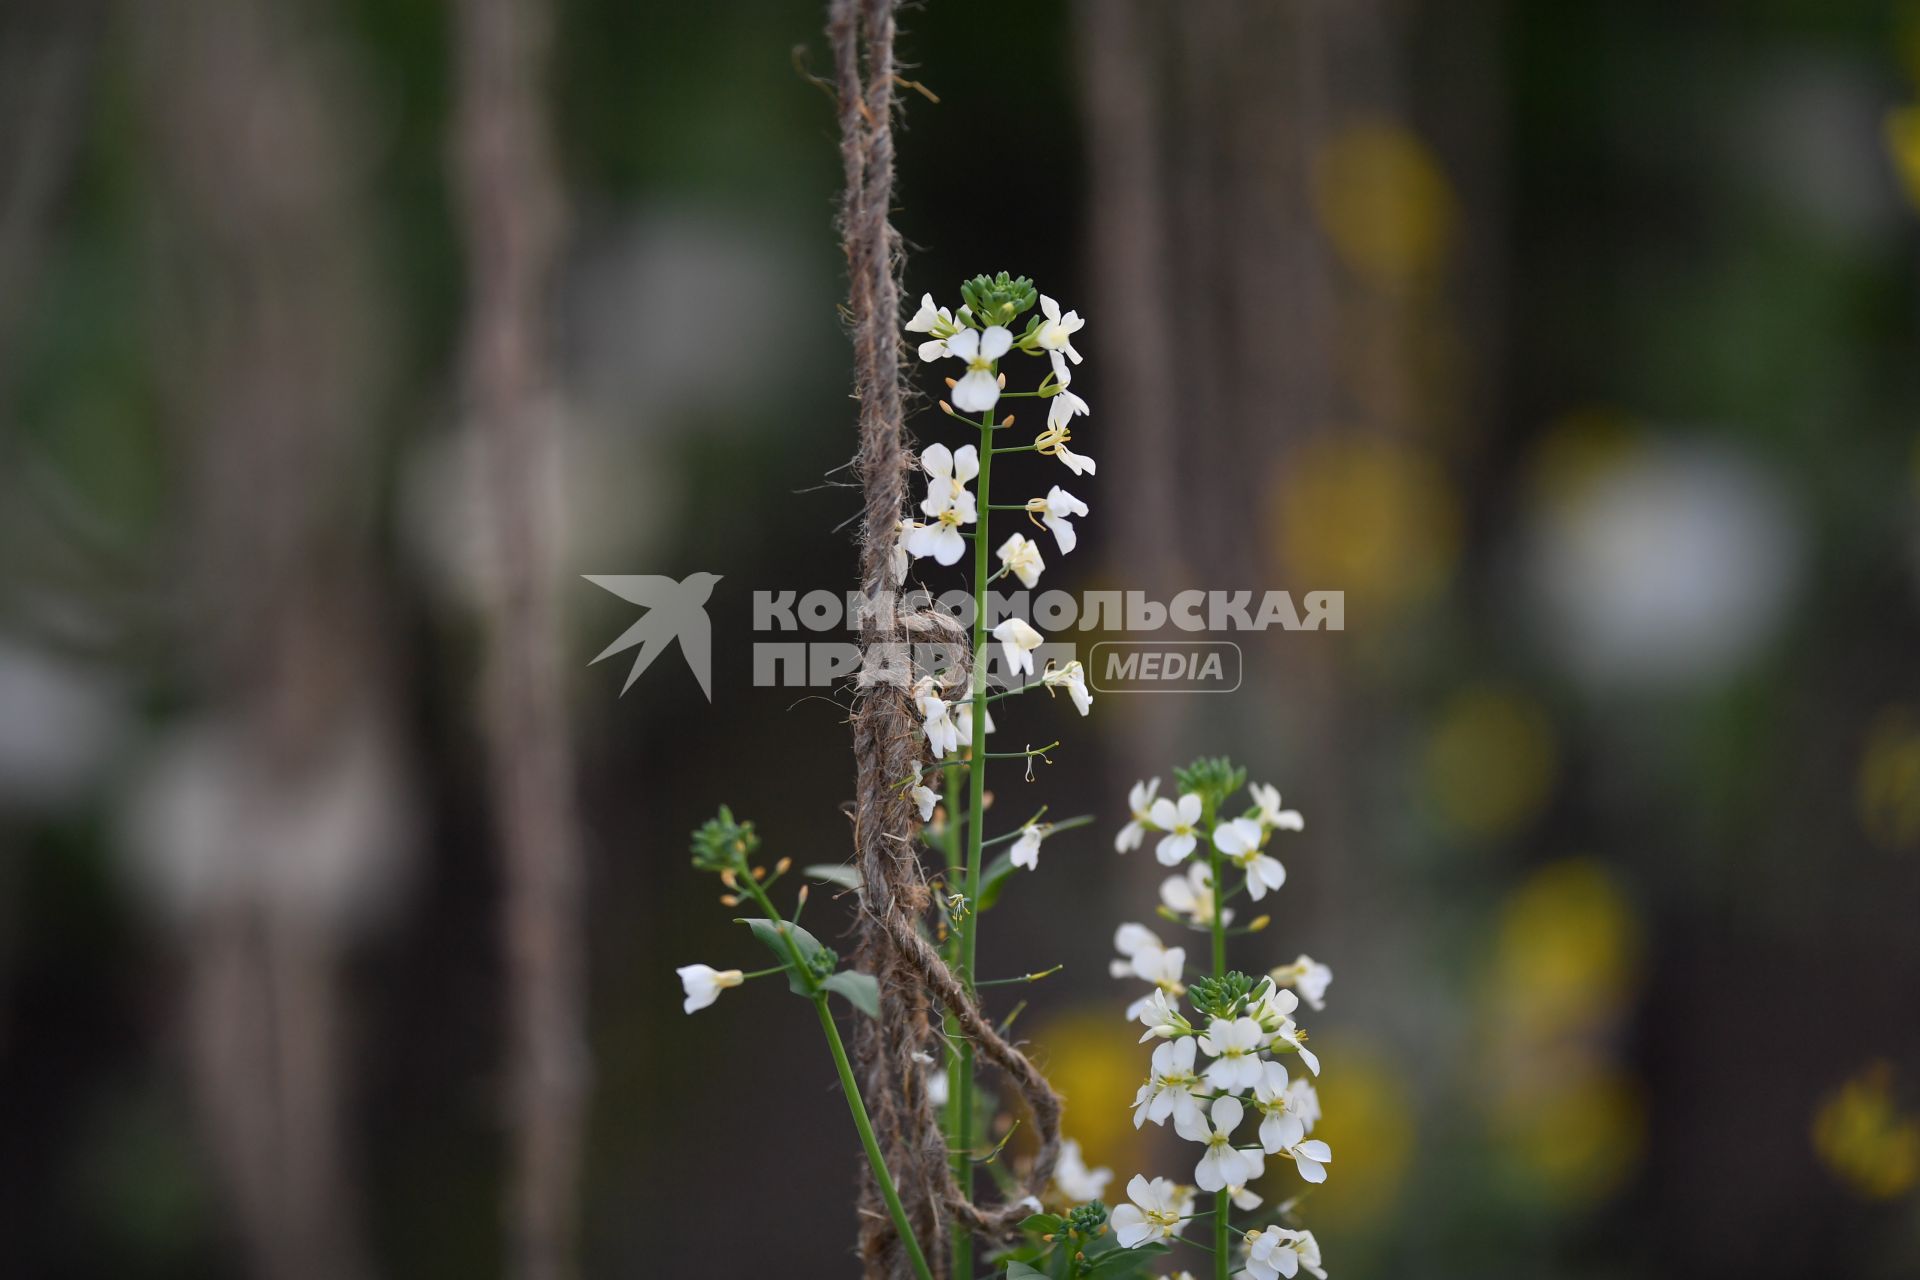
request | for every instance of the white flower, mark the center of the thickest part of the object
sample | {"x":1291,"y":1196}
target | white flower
{"x":979,"y":390}
{"x":1078,"y":463}
{"x":1279,"y":1254}
{"x":1161,"y":967}
{"x":963,"y":720}
{"x":1178,"y":821}
{"x":1223,"y":1165}
{"x":1056,"y":511}
{"x":1280,"y":1125}
{"x":1311,"y":1158}
{"x":936,"y":1088}
{"x":1057,"y":333}
{"x":902,"y":553}
{"x":1161,"y":1017}
{"x":947,"y":475}
{"x":1243,"y":1199}
{"x":937,"y":321}
{"x":1019,"y":640}
{"x":1274,"y":1013}
{"x":1139,"y":800}
{"x":948,"y":501}
{"x":1307,"y":976}
{"x":1071,"y":1177}
{"x":1192,"y":896}
{"x":1291,"y":1039}
{"x":1304,"y":1102}
{"x":1155,"y":1214}
{"x":1144,"y":956}
{"x":942,"y":539}
{"x":1130,"y":940}
{"x":943,"y":735}
{"x":1063,"y":407}
{"x":1240,"y":841}
{"x":1171,"y":1086}
{"x":1026,"y":850}
{"x":704,"y":984}
{"x":1072,"y":678}
{"x":1020,"y":556}
{"x":923,"y":795}
{"x":1271,"y":814}
{"x":1235,"y":1047}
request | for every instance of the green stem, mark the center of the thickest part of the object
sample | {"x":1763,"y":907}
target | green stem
{"x":976,"y":806}
{"x":860,"y":1121}
{"x":848,"y":1086}
{"x":959,"y":1048}
{"x":1222,"y":1206}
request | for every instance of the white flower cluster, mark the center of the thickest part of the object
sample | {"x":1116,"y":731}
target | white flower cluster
{"x":1226,"y":1061}
{"x":950,"y":507}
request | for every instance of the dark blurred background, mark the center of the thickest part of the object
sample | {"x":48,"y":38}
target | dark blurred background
{"x":1574,"y":342}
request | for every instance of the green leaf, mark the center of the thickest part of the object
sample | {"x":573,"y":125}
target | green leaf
{"x":1044,"y":1223}
{"x":833,"y":873}
{"x":1021,"y":1271}
{"x":812,"y":953}
{"x":859,"y":989}
{"x":993,"y":879}
{"x":1122,"y":1262}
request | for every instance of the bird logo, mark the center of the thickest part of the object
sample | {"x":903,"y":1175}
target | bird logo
{"x":674,"y":611}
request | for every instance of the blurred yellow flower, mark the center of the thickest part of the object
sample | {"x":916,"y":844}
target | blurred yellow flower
{"x":1384,"y":202}
{"x":1094,"y":1061}
{"x":1887,"y":791}
{"x":1578,"y":448}
{"x":1575,"y":1133}
{"x":1864,"y":1140}
{"x":1368,"y":517}
{"x":1568,"y":951}
{"x":1903,"y":145}
{"x":1490,"y":761}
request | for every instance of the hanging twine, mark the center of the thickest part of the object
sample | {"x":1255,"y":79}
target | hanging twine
{"x":910,"y":973}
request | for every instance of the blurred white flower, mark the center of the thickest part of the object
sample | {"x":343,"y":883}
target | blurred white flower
{"x":1074,"y":1180}
{"x":1240,"y":841}
{"x":1271,"y":815}
{"x":1307,"y":976}
{"x":1670,"y":568}
{"x":1139,"y":801}
{"x":1180,"y":821}
{"x":703,"y":984}
{"x":1026,"y":850}
{"x":1191,"y":896}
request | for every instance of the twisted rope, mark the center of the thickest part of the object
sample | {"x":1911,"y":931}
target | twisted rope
{"x":886,"y":733}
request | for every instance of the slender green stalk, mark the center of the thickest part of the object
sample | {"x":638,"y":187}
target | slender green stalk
{"x":860,"y":1121}
{"x":1221,"y":1206}
{"x":959,"y":1048}
{"x":848,"y":1086}
{"x":962,"y":1101}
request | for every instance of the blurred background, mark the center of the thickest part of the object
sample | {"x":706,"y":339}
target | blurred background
{"x":1575,"y":343}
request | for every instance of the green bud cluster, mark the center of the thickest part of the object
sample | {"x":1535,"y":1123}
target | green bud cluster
{"x":1213,"y":780}
{"x":1000,"y":299}
{"x":1087,"y":1219}
{"x":1226,"y":996}
{"x":721,"y":844}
